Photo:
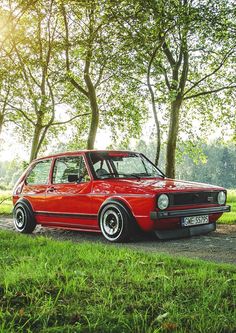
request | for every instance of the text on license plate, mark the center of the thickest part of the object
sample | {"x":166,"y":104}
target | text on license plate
{"x":195,"y":220}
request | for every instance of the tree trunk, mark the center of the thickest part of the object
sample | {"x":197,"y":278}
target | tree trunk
{"x":158,"y":133}
{"x":1,"y":122}
{"x":158,"y":143}
{"x":154,"y":110}
{"x":172,"y":137}
{"x":35,"y":142}
{"x":95,"y":112}
{"x":93,"y":125}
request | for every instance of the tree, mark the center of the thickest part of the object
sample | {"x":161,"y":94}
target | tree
{"x":5,"y":94}
{"x":39,"y":91}
{"x":187,"y":48}
{"x":191,"y":64}
{"x":93,"y":55}
{"x":85,"y":26}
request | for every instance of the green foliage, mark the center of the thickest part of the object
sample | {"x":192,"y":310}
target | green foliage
{"x":51,"y":286}
{"x":217,"y":168}
{"x":10,"y":171}
{"x":230,"y":218}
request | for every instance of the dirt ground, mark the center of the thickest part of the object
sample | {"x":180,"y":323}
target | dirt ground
{"x":218,"y":246}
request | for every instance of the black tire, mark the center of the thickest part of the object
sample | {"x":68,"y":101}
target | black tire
{"x":24,"y":219}
{"x":115,"y":222}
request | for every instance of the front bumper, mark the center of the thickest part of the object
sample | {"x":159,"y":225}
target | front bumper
{"x":189,"y":212}
{"x":185,"y":232}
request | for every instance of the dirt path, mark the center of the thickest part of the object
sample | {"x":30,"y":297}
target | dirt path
{"x":218,"y":246}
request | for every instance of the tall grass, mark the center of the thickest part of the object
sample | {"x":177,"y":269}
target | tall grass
{"x":48,"y":286}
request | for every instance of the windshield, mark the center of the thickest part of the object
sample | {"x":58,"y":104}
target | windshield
{"x":122,"y":165}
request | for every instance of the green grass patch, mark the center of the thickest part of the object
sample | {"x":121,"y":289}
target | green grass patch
{"x":230,"y":218}
{"x":48,"y":286}
{"x":6,"y":205}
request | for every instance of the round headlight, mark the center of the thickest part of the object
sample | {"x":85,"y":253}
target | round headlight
{"x":221,"y":198}
{"x":163,"y":201}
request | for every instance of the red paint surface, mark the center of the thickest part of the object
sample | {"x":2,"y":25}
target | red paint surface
{"x":85,"y":199}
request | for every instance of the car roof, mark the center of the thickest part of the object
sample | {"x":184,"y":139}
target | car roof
{"x":71,"y":153}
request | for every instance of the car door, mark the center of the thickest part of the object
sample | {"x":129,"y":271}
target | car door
{"x":36,"y":184}
{"x":68,"y":195}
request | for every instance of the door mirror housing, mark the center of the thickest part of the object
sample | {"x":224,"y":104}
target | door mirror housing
{"x":73,"y":179}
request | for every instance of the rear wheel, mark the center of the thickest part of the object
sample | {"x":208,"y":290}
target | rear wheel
{"x":115,"y":223}
{"x":24,"y":219}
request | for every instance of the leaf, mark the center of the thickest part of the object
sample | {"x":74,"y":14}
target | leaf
{"x":22,"y":312}
{"x":162,"y":316}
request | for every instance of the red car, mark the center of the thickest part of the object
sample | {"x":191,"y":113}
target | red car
{"x":113,"y":192}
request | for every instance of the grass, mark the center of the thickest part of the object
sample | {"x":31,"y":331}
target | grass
{"x":48,"y":286}
{"x":6,"y":205}
{"x":228,"y":218}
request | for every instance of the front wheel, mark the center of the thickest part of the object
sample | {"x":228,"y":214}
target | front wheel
{"x":24,"y":219}
{"x":114,"y":223}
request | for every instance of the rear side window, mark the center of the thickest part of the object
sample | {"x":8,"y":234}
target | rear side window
{"x":39,"y":174}
{"x":68,"y":166}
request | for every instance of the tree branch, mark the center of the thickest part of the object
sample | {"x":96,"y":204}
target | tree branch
{"x":100,"y":76}
{"x":22,"y":112}
{"x":70,"y":78}
{"x":6,"y":99}
{"x":68,"y":121}
{"x":168,"y":54}
{"x":209,"y":92}
{"x":67,"y":37}
{"x":26,"y":78}
{"x":224,"y":59}
{"x":77,"y":86}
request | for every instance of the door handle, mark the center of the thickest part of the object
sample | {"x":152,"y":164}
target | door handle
{"x":51,"y":189}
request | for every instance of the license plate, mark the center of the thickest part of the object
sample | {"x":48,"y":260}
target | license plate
{"x":194,"y":220}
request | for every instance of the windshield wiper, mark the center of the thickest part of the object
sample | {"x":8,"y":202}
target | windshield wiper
{"x":106,"y":175}
{"x":134,"y":175}
{"x":144,"y":174}
{"x":112,"y":174}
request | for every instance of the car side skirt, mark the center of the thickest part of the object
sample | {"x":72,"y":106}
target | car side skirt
{"x":69,"y":221}
{"x":70,"y":215}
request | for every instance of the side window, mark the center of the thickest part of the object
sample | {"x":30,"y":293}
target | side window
{"x":69,"y":169}
{"x":39,"y":174}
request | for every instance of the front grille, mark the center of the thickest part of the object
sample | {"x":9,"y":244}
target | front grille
{"x":193,"y":198}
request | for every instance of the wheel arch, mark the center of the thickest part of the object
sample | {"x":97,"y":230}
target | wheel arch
{"x":25,"y":203}
{"x":122,"y":203}
{"x":23,"y":216}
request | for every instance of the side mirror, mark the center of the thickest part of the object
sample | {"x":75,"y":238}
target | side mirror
{"x":73,"y":178}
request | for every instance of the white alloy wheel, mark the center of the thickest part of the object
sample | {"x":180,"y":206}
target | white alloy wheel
{"x":114,"y":222}
{"x":20,"y":218}
{"x":24,"y":219}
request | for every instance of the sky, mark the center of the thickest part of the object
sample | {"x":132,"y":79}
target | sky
{"x":11,"y":148}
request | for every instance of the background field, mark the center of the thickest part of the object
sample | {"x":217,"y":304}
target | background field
{"x":228,"y":218}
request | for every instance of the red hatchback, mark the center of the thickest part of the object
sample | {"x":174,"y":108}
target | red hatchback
{"x":113,"y":192}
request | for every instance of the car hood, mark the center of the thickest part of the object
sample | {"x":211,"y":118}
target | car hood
{"x":151,"y":186}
